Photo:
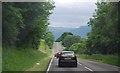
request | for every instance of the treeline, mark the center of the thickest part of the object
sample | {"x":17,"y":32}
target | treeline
{"x":68,"y":40}
{"x":25,"y":23}
{"x":104,"y":37}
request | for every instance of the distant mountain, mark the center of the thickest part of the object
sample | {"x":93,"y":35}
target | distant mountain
{"x":81,"y":31}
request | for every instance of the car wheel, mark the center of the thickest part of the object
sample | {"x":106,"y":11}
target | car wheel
{"x":75,"y":65}
{"x":59,"y":65}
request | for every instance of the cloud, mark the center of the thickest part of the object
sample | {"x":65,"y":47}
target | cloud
{"x":72,"y":13}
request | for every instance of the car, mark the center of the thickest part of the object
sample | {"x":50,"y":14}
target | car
{"x":57,"y":55}
{"x":67,"y":58}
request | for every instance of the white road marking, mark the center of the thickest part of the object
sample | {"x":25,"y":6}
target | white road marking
{"x":89,"y":69}
{"x":49,"y":64}
{"x":79,"y":63}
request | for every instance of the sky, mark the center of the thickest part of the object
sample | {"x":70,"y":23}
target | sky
{"x":72,"y":13}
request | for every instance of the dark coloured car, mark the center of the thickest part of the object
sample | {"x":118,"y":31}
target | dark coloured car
{"x":67,"y":58}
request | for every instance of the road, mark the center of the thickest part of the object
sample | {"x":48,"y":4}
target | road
{"x":84,"y":66}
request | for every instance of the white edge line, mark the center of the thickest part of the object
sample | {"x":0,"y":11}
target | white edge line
{"x":49,"y":65}
{"x":79,"y":63}
{"x":89,"y":69}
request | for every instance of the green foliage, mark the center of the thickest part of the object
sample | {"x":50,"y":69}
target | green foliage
{"x":25,"y":23}
{"x":79,"y":47}
{"x":63,"y":36}
{"x":75,"y":47}
{"x":104,"y":36}
{"x":70,"y":40}
{"x":12,"y":22}
{"x":49,"y":39}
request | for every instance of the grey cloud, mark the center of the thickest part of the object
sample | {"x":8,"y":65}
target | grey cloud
{"x":76,"y":14}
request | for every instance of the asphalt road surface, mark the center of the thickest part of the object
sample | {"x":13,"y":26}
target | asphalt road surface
{"x":84,"y":66}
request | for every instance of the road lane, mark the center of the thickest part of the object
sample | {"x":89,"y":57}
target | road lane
{"x":54,"y":67}
{"x":83,"y":65}
{"x":57,"y":47}
{"x":96,"y":66}
{"x":54,"y":63}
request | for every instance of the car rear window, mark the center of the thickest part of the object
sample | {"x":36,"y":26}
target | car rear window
{"x":67,"y":53}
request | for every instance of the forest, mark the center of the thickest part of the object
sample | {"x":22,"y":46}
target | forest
{"x":24,"y":24}
{"x":104,"y":37}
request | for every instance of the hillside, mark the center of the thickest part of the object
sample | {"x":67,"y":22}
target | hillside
{"x":81,"y":31}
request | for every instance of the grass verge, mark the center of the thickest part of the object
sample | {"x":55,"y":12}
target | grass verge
{"x":108,"y":59}
{"x":44,"y":48}
{"x":41,"y":65}
{"x":24,"y":59}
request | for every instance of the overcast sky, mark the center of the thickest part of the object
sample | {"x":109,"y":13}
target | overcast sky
{"x":72,"y":13}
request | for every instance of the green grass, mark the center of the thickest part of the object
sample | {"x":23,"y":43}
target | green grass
{"x":22,"y":60}
{"x":42,"y":66}
{"x":108,"y":59}
{"x":44,"y":48}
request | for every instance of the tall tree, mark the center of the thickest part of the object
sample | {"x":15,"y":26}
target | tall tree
{"x":12,"y":21}
{"x":25,"y":23}
{"x":104,"y":29}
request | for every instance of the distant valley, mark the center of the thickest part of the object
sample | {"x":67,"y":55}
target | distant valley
{"x":81,"y":31}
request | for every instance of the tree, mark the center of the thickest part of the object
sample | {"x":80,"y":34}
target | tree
{"x":104,"y":29}
{"x":49,"y":39}
{"x":70,"y":39}
{"x":79,"y":47}
{"x":75,"y":47}
{"x":63,"y":36}
{"x":11,"y":24}
{"x":24,"y":24}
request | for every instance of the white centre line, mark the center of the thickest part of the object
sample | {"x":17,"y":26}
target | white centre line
{"x":49,"y":64}
{"x":89,"y":69}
